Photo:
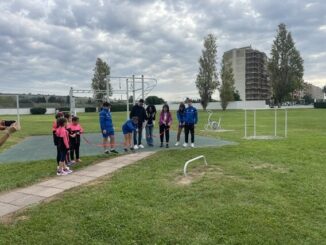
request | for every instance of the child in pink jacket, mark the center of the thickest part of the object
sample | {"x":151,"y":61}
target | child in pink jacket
{"x":165,"y":124}
{"x":63,"y":146}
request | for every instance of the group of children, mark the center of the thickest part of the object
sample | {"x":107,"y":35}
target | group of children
{"x":66,"y":137}
{"x":67,"y":131}
{"x":187,"y":119}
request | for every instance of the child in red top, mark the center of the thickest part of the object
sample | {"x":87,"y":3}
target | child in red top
{"x":165,"y":124}
{"x":63,"y":146}
{"x":75,"y":130}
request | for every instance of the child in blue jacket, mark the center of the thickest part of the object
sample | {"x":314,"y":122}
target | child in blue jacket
{"x":191,"y":119}
{"x":107,"y":127}
{"x":181,"y":121}
{"x":128,"y":128}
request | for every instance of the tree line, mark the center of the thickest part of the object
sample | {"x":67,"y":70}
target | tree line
{"x":285,"y":71}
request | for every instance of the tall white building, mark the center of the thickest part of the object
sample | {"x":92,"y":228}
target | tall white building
{"x":250,"y":73}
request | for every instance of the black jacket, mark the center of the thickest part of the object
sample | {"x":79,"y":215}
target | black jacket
{"x":138,"y":111}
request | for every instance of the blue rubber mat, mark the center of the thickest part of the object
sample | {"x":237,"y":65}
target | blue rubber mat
{"x":42,"y":148}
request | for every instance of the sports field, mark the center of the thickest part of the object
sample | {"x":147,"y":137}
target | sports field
{"x":254,"y":192}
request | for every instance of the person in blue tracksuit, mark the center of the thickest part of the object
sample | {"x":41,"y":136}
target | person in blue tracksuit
{"x":128,"y":128}
{"x":107,"y":128}
{"x":191,"y":118}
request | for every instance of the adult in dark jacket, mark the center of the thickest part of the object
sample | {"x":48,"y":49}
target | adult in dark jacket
{"x":138,"y":110}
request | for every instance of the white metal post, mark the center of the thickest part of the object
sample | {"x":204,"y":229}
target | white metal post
{"x":127,"y":83}
{"x":18,"y":114}
{"x":286,"y":124}
{"x":275,"y":123}
{"x":142,"y":87}
{"x":133,"y":90}
{"x":70,"y":100}
{"x":245,"y":124}
{"x":255,"y":123}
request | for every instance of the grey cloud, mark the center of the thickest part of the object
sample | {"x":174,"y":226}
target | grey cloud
{"x":56,"y":42}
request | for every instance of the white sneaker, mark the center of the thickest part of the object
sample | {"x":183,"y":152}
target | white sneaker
{"x":60,"y":173}
{"x":141,"y":146}
{"x":192,"y":145}
{"x":185,"y":145}
{"x":176,"y":144}
{"x":136,"y":147}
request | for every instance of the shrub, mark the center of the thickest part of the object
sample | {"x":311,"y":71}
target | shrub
{"x":90,"y":109}
{"x":38,"y":111}
{"x":320,"y":104}
{"x":120,"y":107}
{"x":63,"y":109}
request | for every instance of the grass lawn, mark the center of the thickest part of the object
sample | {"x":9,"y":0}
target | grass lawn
{"x":257,"y":192}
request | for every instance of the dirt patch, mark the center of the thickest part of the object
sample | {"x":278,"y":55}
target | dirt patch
{"x":196,"y":174}
{"x":271,"y":167}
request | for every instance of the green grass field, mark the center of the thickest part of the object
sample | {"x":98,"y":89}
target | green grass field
{"x":256,"y":192}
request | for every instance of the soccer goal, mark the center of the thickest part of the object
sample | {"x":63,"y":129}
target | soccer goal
{"x":261,"y":125}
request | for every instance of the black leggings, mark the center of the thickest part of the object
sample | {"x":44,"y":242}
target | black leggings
{"x":191,"y":128}
{"x":164,"y":129}
{"x":58,"y":155}
{"x":74,"y":148}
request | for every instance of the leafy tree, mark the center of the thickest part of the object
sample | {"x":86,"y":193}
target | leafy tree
{"x":236,"y":95}
{"x":207,"y":80}
{"x":285,"y":65}
{"x":227,"y":86}
{"x":154,"y":100}
{"x":324,"y":89}
{"x":101,"y":71}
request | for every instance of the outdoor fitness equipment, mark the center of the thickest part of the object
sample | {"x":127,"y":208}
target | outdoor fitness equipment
{"x":146,"y":86}
{"x":212,"y":125}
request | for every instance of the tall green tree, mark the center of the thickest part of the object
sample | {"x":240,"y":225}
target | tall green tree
{"x":154,"y":100}
{"x":101,"y":71}
{"x":227,"y":86}
{"x":207,"y":78}
{"x":285,"y":65}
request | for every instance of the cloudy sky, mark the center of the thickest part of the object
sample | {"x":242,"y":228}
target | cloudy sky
{"x":46,"y":46}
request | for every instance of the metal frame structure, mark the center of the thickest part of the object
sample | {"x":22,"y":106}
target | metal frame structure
{"x":191,"y":160}
{"x":17,"y":105}
{"x":147,"y":85}
{"x":275,"y":136}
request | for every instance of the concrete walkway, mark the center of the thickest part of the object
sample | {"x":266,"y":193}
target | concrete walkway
{"x":21,"y":198}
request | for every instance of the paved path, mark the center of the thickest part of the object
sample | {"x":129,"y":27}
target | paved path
{"x":21,"y":198}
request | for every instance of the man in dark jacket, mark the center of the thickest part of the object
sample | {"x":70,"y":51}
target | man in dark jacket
{"x":138,"y":110}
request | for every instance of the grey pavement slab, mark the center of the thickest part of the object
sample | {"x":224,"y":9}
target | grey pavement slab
{"x":38,"y":190}
{"x":20,"y":198}
{"x":6,"y":208}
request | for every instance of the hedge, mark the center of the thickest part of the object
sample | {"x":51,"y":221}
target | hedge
{"x":90,"y":109}
{"x":38,"y":110}
{"x":63,"y":109}
{"x":120,"y":107}
{"x":320,"y":104}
